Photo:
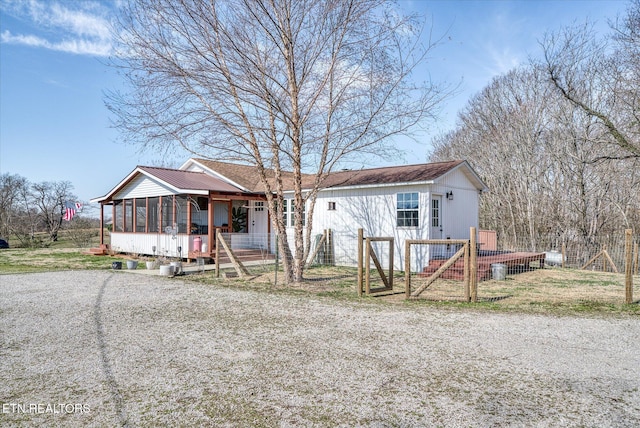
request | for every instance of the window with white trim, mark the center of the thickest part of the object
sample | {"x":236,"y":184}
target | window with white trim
{"x":407,"y":209}
{"x":287,"y":213}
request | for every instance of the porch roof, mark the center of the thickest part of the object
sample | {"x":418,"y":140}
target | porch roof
{"x":177,"y":180}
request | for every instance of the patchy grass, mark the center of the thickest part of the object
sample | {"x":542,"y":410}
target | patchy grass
{"x":22,"y":260}
{"x":556,"y":291}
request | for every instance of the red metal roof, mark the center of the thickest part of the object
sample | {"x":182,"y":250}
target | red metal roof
{"x":188,"y":180}
{"x":248,"y":177}
{"x":389,"y":175}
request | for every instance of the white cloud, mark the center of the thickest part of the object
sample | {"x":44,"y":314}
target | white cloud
{"x":80,"y":27}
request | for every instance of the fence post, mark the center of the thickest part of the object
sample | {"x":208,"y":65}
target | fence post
{"x":360,"y":267}
{"x":564,"y":254}
{"x":367,"y":265}
{"x":407,"y":269}
{"x":217,"y":253}
{"x":332,"y":258}
{"x":473,"y":274}
{"x":467,"y":269}
{"x":636,"y":259}
{"x":628,"y":261}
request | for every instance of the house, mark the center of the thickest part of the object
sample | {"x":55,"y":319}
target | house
{"x":176,"y":212}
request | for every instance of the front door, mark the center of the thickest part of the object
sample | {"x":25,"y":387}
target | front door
{"x":436,"y":217}
{"x":258,"y":219}
{"x":258,"y":223}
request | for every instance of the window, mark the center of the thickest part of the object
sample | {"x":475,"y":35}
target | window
{"x":258,"y":206}
{"x":288,"y":214}
{"x":407,"y":209}
{"x":435,"y":212}
{"x":285,"y":211}
{"x":332,"y":206}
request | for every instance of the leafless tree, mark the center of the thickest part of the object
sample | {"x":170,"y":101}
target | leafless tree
{"x":602,"y":77}
{"x":10,"y":187}
{"x":50,"y":199}
{"x":541,"y":157}
{"x":281,"y":85}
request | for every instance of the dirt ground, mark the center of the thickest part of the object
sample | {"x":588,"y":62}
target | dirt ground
{"x":105,"y":348}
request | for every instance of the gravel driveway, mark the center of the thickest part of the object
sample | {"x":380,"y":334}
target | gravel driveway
{"x":118,"y":349}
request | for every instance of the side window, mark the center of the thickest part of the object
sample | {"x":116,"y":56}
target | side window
{"x":288,"y":213}
{"x":407,"y":208}
{"x":435,"y":212}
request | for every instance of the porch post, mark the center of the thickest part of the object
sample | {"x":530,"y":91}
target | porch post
{"x":101,"y":223}
{"x":188,"y":215}
{"x":210,"y":226}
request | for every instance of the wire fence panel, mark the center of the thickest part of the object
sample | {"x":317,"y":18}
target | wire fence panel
{"x":577,"y":271}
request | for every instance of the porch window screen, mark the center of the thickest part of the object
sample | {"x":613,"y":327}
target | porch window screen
{"x":407,"y":209}
{"x":181,"y":213}
{"x":118,"y":221}
{"x":167,"y":212}
{"x":152,"y":212}
{"x":141,"y":215}
{"x":128,"y":215}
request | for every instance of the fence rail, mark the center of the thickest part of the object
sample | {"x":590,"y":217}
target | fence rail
{"x":597,"y":269}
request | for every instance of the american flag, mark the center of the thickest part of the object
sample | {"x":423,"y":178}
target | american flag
{"x":70,"y":209}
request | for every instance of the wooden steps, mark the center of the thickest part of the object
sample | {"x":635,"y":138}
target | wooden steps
{"x":102,"y":250}
{"x":456,"y":271}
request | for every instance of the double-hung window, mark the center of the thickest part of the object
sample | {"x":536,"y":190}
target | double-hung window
{"x":287,"y":213}
{"x":407,"y":209}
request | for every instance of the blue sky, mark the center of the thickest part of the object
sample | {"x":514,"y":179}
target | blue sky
{"x":53,"y":75}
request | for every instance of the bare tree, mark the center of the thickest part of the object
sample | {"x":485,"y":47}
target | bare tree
{"x":10,"y":189}
{"x":541,"y":157}
{"x":281,"y":85}
{"x":50,"y":199}
{"x":25,"y":221}
{"x":602,"y":77}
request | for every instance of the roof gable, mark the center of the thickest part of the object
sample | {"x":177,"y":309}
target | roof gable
{"x":245,"y":176}
{"x":177,"y":181}
{"x":188,"y":180}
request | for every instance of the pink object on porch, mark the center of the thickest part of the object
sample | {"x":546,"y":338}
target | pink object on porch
{"x":197,"y":243}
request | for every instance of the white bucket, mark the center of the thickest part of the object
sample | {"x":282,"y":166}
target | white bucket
{"x":499,"y":271}
{"x":166,"y":270}
{"x":177,"y":267}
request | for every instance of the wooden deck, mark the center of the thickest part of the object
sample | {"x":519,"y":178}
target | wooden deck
{"x":244,"y":255}
{"x":520,"y":260}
